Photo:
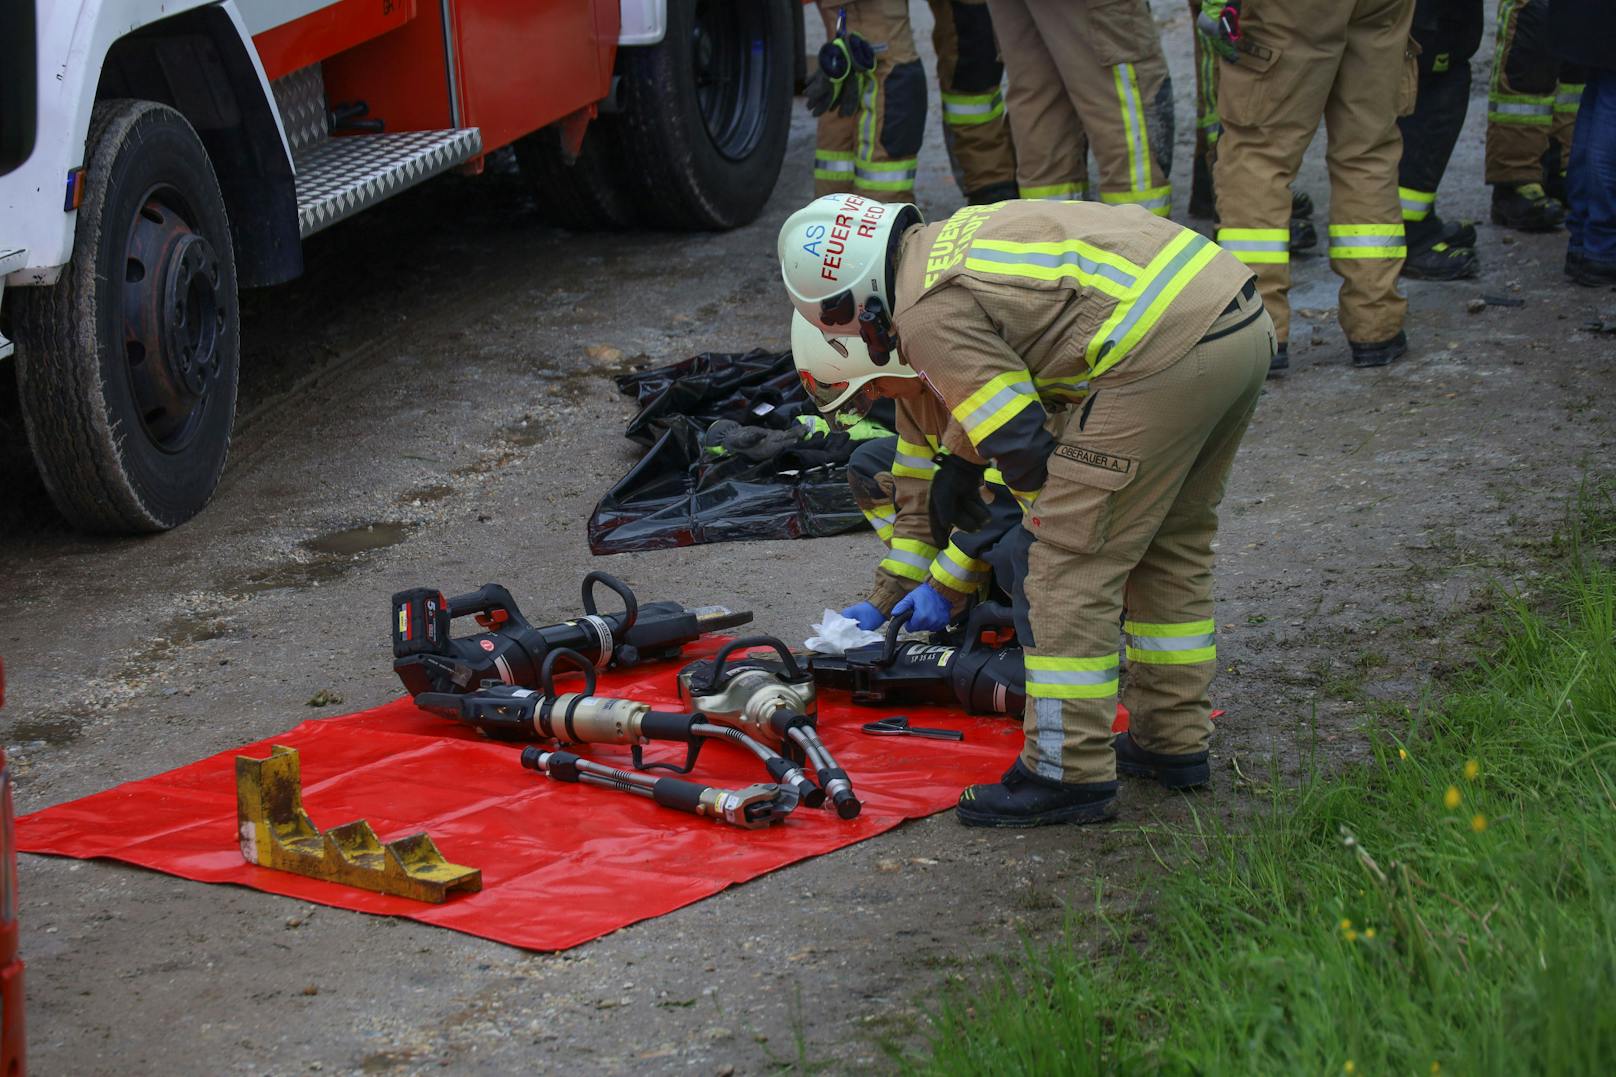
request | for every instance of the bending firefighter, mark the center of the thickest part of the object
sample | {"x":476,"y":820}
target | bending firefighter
{"x":1106,"y":362}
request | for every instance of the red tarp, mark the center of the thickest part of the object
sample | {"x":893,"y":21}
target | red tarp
{"x":609,"y":858}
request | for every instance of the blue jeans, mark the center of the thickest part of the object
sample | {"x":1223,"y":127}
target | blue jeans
{"x":1591,"y":174}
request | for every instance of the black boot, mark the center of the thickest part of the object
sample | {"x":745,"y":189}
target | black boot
{"x":1022,"y":798}
{"x":1380,"y":352}
{"x":1431,"y":256}
{"x":994,"y":192}
{"x":1304,"y":237}
{"x":1526,"y":207}
{"x":1172,"y":771}
{"x":1456,"y":233}
{"x":1202,"y":202}
{"x":1281,"y":360}
{"x":1590,"y":273}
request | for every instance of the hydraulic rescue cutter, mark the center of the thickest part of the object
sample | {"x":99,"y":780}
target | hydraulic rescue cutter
{"x":983,"y":680}
{"x":510,"y":712}
{"x":770,"y":700}
{"x":512,"y":651}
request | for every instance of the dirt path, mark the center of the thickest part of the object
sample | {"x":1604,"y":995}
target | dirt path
{"x":428,"y":385}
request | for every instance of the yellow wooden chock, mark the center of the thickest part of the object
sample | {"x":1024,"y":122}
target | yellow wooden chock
{"x":277,"y":833}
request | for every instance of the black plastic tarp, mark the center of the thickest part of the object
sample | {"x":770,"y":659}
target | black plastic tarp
{"x":679,"y":494}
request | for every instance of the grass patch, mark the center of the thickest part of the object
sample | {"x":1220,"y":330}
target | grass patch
{"x":1449,"y":907}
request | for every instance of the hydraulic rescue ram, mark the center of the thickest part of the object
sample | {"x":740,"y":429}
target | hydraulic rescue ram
{"x":512,"y":651}
{"x":507,"y":712}
{"x":770,"y":701}
{"x":753,"y":808}
{"x":981,"y":679}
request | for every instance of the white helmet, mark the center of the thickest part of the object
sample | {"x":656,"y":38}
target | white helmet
{"x":836,"y":372}
{"x":833,"y":257}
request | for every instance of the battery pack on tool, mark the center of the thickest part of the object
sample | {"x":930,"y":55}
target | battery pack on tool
{"x":512,"y":651}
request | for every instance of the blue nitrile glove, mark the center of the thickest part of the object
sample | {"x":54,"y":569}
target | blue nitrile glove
{"x":868,"y":617}
{"x":928,"y":611}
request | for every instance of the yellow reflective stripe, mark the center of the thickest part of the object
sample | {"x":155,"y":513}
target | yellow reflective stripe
{"x":913,"y":461}
{"x":1567,"y":96}
{"x":1257,"y":246}
{"x":885,"y":175}
{"x":966,"y":110}
{"x":1075,"y":260}
{"x":995,"y":404}
{"x":957,"y":570}
{"x":1024,"y":498}
{"x":1133,"y":123}
{"x":1159,"y":200}
{"x":1056,"y":677}
{"x":1181,"y":644}
{"x":1367,"y":241}
{"x":1068,"y":386}
{"x":993,"y":476}
{"x":1184,"y":256}
{"x":1056,"y":192}
{"x":909,"y":558}
{"x":1417,"y":205}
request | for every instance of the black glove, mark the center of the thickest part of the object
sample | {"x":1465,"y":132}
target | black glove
{"x":956,"y":499}
{"x":845,"y":63}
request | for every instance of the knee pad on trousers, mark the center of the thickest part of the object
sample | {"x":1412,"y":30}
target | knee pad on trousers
{"x":978,"y":68}
{"x":1159,"y":127}
{"x":1531,"y":66}
{"x":903,"y":125}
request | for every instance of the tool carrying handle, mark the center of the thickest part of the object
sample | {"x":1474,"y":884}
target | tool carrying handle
{"x":491,"y":599}
{"x":631,"y":605}
{"x":578,"y":661}
{"x":985,"y":615}
{"x":663,"y":725}
{"x":889,"y":649}
{"x":715,"y":678}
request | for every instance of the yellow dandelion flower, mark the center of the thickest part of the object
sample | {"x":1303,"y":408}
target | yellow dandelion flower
{"x":1402,"y":753}
{"x":1368,"y":932}
{"x":1352,"y":936}
{"x":1472,"y":768}
{"x":1346,"y":925}
{"x":1349,"y":1067}
{"x":1452,"y":798}
{"x":1478,"y":822}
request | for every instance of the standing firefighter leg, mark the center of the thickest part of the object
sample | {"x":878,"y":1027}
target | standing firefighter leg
{"x":1520,"y":116}
{"x":1375,"y":83}
{"x":1052,"y":149}
{"x":874,"y":151}
{"x":969,"y":77}
{"x":1448,"y":33}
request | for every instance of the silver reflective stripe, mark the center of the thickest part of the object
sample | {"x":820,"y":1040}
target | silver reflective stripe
{"x":1138,"y":144}
{"x":959,"y":571}
{"x":1521,"y":109}
{"x":914,"y":560}
{"x":1412,"y":205}
{"x":1367,"y":241}
{"x":1158,"y":283}
{"x":919,"y":463}
{"x":1051,"y":737}
{"x":1568,"y":99}
{"x":1055,"y":261}
{"x":1255,"y":244}
{"x":982,"y":108}
{"x":832,"y":164}
{"x":1172,"y":643}
{"x":991,"y":406}
{"x":888,"y":176}
{"x":1072,"y":676}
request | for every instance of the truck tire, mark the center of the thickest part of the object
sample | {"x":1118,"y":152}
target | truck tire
{"x":126,"y":367}
{"x":588,"y":194}
{"x":706,"y":113}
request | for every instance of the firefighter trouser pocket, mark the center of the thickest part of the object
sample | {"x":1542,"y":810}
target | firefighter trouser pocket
{"x":1075,"y":507}
{"x":1252,"y":91}
{"x":1121,"y":31}
{"x":1408,"y":86}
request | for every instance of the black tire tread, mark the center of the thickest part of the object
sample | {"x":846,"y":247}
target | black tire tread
{"x":74,"y":440}
{"x":586,"y":195}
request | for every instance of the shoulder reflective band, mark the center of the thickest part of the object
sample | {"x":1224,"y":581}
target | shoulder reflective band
{"x":913,"y":461}
{"x":833,"y":165}
{"x":881,"y":518}
{"x":1174,"y":266}
{"x":1159,"y":200}
{"x":1257,"y":246}
{"x":1417,"y":205}
{"x":959,"y":571}
{"x":1171,"y":644}
{"x":1056,"y":192}
{"x":1367,"y":241}
{"x":1516,"y":108}
{"x":968,"y":110}
{"x":1052,"y":677}
{"x":995,"y":404}
{"x":1073,"y":387}
{"x":1073,"y":260}
{"x":909,"y":558}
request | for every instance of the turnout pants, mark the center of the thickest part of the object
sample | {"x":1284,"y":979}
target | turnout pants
{"x":1348,"y":62}
{"x":1448,"y":33}
{"x":1207,"y":126}
{"x":875,"y":150}
{"x":969,"y":75}
{"x":1126,"y":521}
{"x":1088,"y":72}
{"x":1532,"y":101}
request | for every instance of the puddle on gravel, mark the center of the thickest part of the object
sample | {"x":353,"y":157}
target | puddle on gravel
{"x":426,"y":494}
{"x":334,"y":554}
{"x":47,"y":729}
{"x":357,"y":540}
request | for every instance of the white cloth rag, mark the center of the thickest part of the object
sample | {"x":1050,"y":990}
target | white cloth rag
{"x":835,"y":634}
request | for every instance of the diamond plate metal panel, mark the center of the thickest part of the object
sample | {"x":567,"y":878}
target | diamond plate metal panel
{"x":341,"y":176}
{"x":300,"y":97}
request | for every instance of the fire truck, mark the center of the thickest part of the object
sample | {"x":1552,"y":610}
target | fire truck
{"x":158,"y":155}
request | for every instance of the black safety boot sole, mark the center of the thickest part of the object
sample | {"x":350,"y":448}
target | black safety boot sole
{"x":1074,"y":813}
{"x":1380,"y":352}
{"x":1023,"y":799}
{"x":1526,"y":208}
{"x":1591,"y":274}
{"x":1170,"y":771}
{"x":1281,"y":361}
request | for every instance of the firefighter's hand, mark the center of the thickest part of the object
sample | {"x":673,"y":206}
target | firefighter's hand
{"x":956,"y":502}
{"x":928,"y":611}
{"x":1219,"y":26}
{"x":868,"y":617}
